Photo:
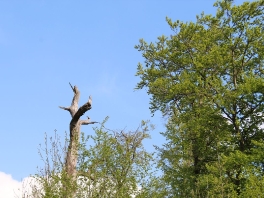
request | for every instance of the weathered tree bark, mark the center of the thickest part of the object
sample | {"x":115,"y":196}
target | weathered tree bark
{"x":75,"y":126}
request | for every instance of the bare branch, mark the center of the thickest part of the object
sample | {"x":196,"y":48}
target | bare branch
{"x":75,"y":100}
{"x":86,"y":107}
{"x":90,"y":100}
{"x":65,"y":108}
{"x":71,"y":87}
{"x":86,"y":122}
{"x":74,"y":105}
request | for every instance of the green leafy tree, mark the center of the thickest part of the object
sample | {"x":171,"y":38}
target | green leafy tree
{"x":208,"y":79}
{"x":110,"y":164}
{"x":116,"y":162}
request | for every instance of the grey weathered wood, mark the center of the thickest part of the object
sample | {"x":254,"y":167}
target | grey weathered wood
{"x":75,"y":126}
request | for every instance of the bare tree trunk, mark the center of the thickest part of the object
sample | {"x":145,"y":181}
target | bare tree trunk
{"x":75,"y":126}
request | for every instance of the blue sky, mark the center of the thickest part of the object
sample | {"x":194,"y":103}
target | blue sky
{"x":44,"y":45}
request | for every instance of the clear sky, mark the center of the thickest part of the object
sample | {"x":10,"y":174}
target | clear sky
{"x":44,"y":45}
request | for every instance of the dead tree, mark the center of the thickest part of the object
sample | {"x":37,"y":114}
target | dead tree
{"x":75,"y":126}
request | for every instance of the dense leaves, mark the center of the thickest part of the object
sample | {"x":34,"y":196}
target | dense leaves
{"x":208,"y":79}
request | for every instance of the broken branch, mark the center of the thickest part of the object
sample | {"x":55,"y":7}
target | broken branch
{"x":65,"y":108}
{"x":86,"y":122}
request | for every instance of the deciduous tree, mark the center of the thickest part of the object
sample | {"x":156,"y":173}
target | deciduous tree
{"x":207,"y":77}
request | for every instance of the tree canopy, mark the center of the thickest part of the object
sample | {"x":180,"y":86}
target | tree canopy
{"x":207,"y":78}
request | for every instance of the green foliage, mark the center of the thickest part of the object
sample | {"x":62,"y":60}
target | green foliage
{"x":117,"y":161}
{"x":208,"y":79}
{"x":155,"y":187}
{"x":110,"y":164}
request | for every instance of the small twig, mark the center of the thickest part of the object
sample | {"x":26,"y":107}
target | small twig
{"x":71,"y":86}
{"x":65,"y":108}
